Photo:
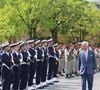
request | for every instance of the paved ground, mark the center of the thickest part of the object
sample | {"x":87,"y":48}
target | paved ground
{"x":73,"y":84}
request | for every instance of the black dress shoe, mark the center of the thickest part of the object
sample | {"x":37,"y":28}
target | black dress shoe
{"x":46,"y":85}
{"x":56,"y":81}
{"x":61,"y":74}
{"x":41,"y":87}
{"x":33,"y":89}
{"x":71,"y":76}
{"x":51,"y":83}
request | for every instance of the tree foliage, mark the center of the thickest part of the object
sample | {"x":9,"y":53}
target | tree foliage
{"x":64,"y":20}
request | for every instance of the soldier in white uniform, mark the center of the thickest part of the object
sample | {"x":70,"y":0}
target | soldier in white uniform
{"x":71,"y":56}
{"x":67,"y":63}
{"x":99,"y":59}
{"x":74,"y":61}
{"x":61,"y":61}
{"x":96,"y":50}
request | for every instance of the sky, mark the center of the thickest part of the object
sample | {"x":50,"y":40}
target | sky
{"x":94,"y":0}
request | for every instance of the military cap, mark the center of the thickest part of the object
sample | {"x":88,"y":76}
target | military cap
{"x":14,"y":44}
{"x":55,"y":45}
{"x":37,"y":42}
{"x":43,"y":41}
{"x":30,"y":41}
{"x":5,"y":45}
{"x":22,"y":43}
{"x":51,"y":39}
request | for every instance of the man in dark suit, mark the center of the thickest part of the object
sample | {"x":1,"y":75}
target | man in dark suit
{"x":86,"y":65}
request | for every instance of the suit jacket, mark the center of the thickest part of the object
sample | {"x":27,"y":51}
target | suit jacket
{"x":87,"y":66}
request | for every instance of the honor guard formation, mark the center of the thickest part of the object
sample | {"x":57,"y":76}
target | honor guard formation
{"x":36,"y":64}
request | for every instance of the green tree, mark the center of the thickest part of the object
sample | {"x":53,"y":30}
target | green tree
{"x":76,"y":20}
{"x":29,"y":12}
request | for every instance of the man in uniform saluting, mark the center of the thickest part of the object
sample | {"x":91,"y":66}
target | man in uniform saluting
{"x":6,"y":67}
{"x":32,"y":66}
{"x":45,"y":62}
{"x":16,"y":65}
{"x":51,"y":60}
{"x":39,"y":64}
{"x":56,"y":63}
{"x":24,"y":59}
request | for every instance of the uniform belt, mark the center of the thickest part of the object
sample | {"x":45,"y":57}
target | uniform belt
{"x":17,"y":65}
{"x":39,"y":60}
{"x":6,"y":66}
{"x":51,"y":56}
{"x":24,"y":63}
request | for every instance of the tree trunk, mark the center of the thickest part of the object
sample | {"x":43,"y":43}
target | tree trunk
{"x":54,"y":34}
{"x":30,"y":33}
{"x":80,"y":37}
{"x":9,"y":40}
{"x":12,"y":40}
{"x":83,"y":36}
{"x":34,"y":33}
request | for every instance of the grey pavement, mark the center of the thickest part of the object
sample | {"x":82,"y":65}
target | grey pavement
{"x":73,"y":84}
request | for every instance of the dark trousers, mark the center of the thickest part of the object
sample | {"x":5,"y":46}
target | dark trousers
{"x":24,"y":76}
{"x":89,"y":79}
{"x":32,"y":69}
{"x":0,"y":66}
{"x":56,"y":65}
{"x":16,"y":77}
{"x":51,"y":68}
{"x":0,"y":70}
{"x":6,"y":78}
{"x":44,"y":71}
{"x":39,"y":65}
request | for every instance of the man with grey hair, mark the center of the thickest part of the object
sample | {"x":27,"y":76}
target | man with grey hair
{"x":86,"y":65}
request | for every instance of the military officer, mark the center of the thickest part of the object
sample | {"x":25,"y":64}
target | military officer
{"x":61,"y":68}
{"x":67,"y":62}
{"x":16,"y":65}
{"x":56,"y":63}
{"x":39,"y":63}
{"x":24,"y":58}
{"x":51,"y":61}
{"x":32,"y":66}
{"x":6,"y":67}
{"x":45,"y":62}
